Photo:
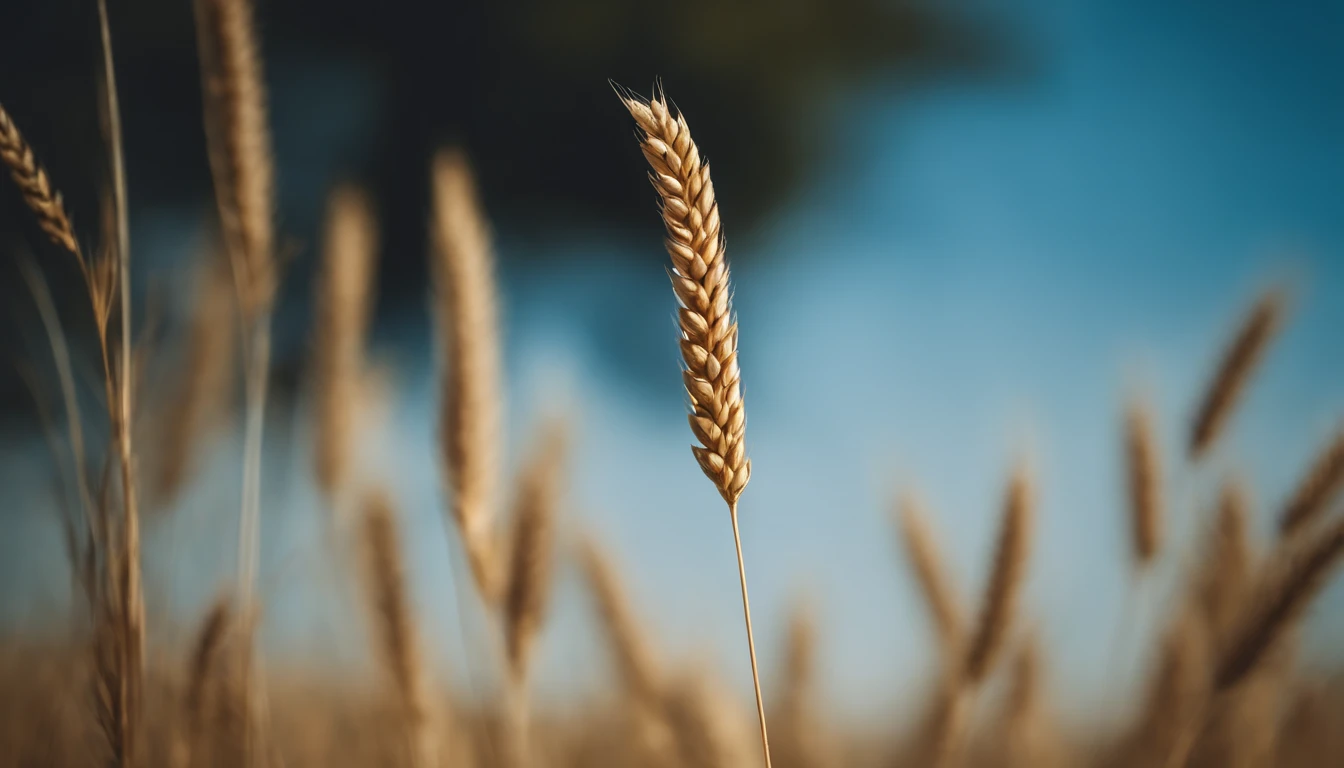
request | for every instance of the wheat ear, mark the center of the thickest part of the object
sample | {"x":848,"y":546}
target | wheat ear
{"x":344,"y":307}
{"x":636,"y":661}
{"x":394,"y":622}
{"x":1176,"y":696}
{"x":34,"y":185}
{"x":1004,"y":589}
{"x":527,"y":590}
{"x":1144,"y":470}
{"x":241,"y":164}
{"x":1284,"y":592}
{"x":708,"y":328}
{"x":204,"y":379}
{"x":1227,"y":562}
{"x":470,"y":415}
{"x":201,"y":675}
{"x":935,"y":583}
{"x":1314,"y":492}
{"x":1234,"y":370}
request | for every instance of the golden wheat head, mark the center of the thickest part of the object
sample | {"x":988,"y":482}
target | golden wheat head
{"x":1317,"y":488}
{"x":700,"y":280}
{"x":32,"y":181}
{"x":470,"y":410}
{"x":935,"y":583}
{"x":531,"y":553}
{"x":1004,"y":589}
{"x":1235,"y":369}
{"x":1144,"y":484}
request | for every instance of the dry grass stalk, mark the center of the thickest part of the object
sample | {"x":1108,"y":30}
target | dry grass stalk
{"x":936,"y":587}
{"x":528,"y":586}
{"x":394,"y":622}
{"x":705,"y":724}
{"x":701,"y":283}
{"x":636,"y":661}
{"x":204,"y":379}
{"x":1177,"y":694}
{"x":344,"y":308}
{"x":239,"y":142}
{"x":1281,"y":597}
{"x":202,"y":683}
{"x":35,"y":187}
{"x":803,"y":735}
{"x":1144,"y":475}
{"x":1315,"y":490}
{"x":1004,"y":588}
{"x":471,"y":408}
{"x":1235,"y":369}
{"x":1227,"y":564}
{"x":238,"y":130}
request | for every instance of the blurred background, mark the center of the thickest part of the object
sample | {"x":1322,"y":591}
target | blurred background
{"x":961,"y":233}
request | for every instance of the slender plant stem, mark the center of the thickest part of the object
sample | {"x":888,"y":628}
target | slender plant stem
{"x":249,"y":519}
{"x":751,"y":642}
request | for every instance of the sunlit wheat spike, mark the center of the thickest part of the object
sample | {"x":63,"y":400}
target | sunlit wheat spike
{"x":1226,"y":567}
{"x":202,"y":674}
{"x":935,"y":583}
{"x":36,"y":189}
{"x":204,"y":379}
{"x":1144,"y":470}
{"x":1280,"y":598}
{"x":1235,"y":368}
{"x":529,"y":582}
{"x":700,"y":280}
{"x":1315,"y":490}
{"x":1004,"y":589}
{"x":238,"y":129}
{"x":344,"y":308}
{"x":636,"y":662}
{"x":1176,"y":694}
{"x":394,"y":622}
{"x":468,"y":337}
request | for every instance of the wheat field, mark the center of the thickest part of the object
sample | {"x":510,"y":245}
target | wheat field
{"x":1222,"y":683}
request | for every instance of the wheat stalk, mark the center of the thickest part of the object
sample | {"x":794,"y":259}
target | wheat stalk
{"x":708,"y":328}
{"x":242,"y":167}
{"x":636,"y":661}
{"x":394,"y":622}
{"x":1282,"y":595}
{"x":527,"y":589}
{"x":1315,"y":490}
{"x":1235,"y":369}
{"x":344,"y":306}
{"x":38,"y":194}
{"x":470,"y":415}
{"x":936,"y":587}
{"x":204,"y":379}
{"x":1002,"y":592}
{"x":1143,"y":467}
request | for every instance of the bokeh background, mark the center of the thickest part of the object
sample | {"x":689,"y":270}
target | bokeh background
{"x":961,"y":233}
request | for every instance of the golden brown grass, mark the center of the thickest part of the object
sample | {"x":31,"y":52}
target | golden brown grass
{"x":344,"y":308}
{"x":1145,"y":480}
{"x":700,"y":281}
{"x":395,"y":627}
{"x":1316,"y":489}
{"x":468,"y":338}
{"x":1234,"y":370}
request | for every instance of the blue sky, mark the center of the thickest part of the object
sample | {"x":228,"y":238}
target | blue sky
{"x":978,"y":273}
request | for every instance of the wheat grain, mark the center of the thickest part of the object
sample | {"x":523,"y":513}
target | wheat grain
{"x":469,"y":431}
{"x":528,"y":587}
{"x":38,"y":194}
{"x":703,"y":289}
{"x":1144,"y":473}
{"x":936,"y":587}
{"x":238,"y":129}
{"x":394,"y":622}
{"x":1004,"y":588}
{"x":1315,"y":490}
{"x":1235,"y":369}
{"x":344,"y":306}
{"x":701,"y":283}
{"x":1281,"y":596}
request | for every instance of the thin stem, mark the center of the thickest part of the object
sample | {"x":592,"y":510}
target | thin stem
{"x":751,"y":642}
{"x":249,"y":519}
